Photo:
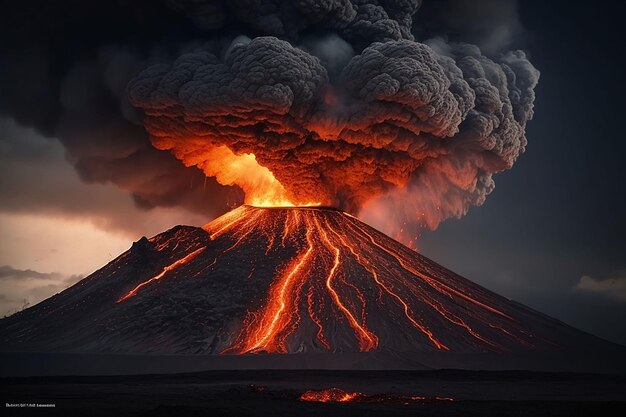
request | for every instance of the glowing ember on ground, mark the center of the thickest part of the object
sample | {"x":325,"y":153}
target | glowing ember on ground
{"x":336,"y":395}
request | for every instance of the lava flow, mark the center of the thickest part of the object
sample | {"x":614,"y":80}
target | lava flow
{"x":339,"y":284}
{"x":282,"y":280}
{"x":343,"y":285}
{"x":162,"y":274}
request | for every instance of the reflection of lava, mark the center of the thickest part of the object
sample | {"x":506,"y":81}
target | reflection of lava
{"x":336,"y":395}
{"x":341,"y":285}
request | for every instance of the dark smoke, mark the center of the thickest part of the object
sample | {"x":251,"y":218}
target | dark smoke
{"x":421,"y":126}
{"x":345,"y":101}
{"x":64,"y":69}
{"x":492,"y":25}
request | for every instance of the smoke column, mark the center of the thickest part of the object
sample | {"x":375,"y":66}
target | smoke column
{"x":360,"y":115}
{"x":350,"y":103}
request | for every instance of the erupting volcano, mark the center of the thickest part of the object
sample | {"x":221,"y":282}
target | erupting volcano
{"x":280,"y":280}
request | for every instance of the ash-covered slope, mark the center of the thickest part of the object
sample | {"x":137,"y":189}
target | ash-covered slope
{"x":280,"y":280}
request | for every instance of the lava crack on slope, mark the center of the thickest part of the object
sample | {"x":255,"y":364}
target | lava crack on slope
{"x":282,"y":280}
{"x":171,"y":267}
{"x":327,"y":287}
{"x":336,"y":245}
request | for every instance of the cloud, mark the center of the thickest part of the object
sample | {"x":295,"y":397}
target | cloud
{"x":35,"y":178}
{"x":21,"y":288}
{"x":493,"y":25}
{"x":612,"y":287}
{"x":75,"y":92}
{"x":8,"y":272}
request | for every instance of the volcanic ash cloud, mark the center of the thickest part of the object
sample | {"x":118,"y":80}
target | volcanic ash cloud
{"x":337,"y":103}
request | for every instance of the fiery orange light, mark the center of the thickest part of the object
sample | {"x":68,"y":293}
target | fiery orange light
{"x":260,"y":186}
{"x":334,"y":395}
{"x":267,"y":329}
{"x":165,"y":270}
{"x":367,"y":339}
{"x":281,"y":308}
{"x":337,"y":395}
{"x":334,"y":277}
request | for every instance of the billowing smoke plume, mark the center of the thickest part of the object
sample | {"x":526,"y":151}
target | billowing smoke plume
{"x":342,"y":102}
{"x":64,"y":70}
{"x":358,"y":116}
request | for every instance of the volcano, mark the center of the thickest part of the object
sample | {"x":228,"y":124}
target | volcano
{"x":280,"y":281}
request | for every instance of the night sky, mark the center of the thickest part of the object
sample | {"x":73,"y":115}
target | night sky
{"x":551,"y":234}
{"x":559,"y":214}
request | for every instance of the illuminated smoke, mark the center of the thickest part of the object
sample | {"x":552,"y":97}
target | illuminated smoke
{"x":361,"y":104}
{"x":64,"y":72}
{"x":360,"y":117}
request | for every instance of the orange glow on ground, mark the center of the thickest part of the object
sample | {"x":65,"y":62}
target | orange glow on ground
{"x":337,"y":395}
{"x":331,"y":395}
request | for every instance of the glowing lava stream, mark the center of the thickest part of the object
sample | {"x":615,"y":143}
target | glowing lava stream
{"x":275,"y":318}
{"x":334,"y":241}
{"x":367,"y":339}
{"x":439,"y":286}
{"x":325,"y":281}
{"x":372,"y":271}
{"x":266,"y":330}
{"x":168,"y":268}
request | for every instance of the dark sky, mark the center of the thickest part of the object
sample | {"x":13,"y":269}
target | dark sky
{"x":559,"y":214}
{"x":551,"y":235}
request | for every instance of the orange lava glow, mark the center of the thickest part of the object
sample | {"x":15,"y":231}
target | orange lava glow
{"x":313,"y":283}
{"x":280,"y":309}
{"x":330,"y":395}
{"x":324,"y":281}
{"x":268,"y":328}
{"x":167,"y":269}
{"x":258,"y":183}
{"x":337,"y":395}
{"x":316,"y":283}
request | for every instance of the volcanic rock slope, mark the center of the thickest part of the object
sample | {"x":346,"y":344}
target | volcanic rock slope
{"x":280,"y":280}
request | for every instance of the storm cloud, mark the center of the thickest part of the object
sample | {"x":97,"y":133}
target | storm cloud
{"x":21,"y":288}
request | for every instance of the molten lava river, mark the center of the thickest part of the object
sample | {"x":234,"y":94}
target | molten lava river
{"x":308,"y":279}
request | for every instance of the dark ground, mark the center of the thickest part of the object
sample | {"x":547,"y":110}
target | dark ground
{"x":237,"y":393}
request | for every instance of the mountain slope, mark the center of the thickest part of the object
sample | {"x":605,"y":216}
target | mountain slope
{"x":280,"y":280}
